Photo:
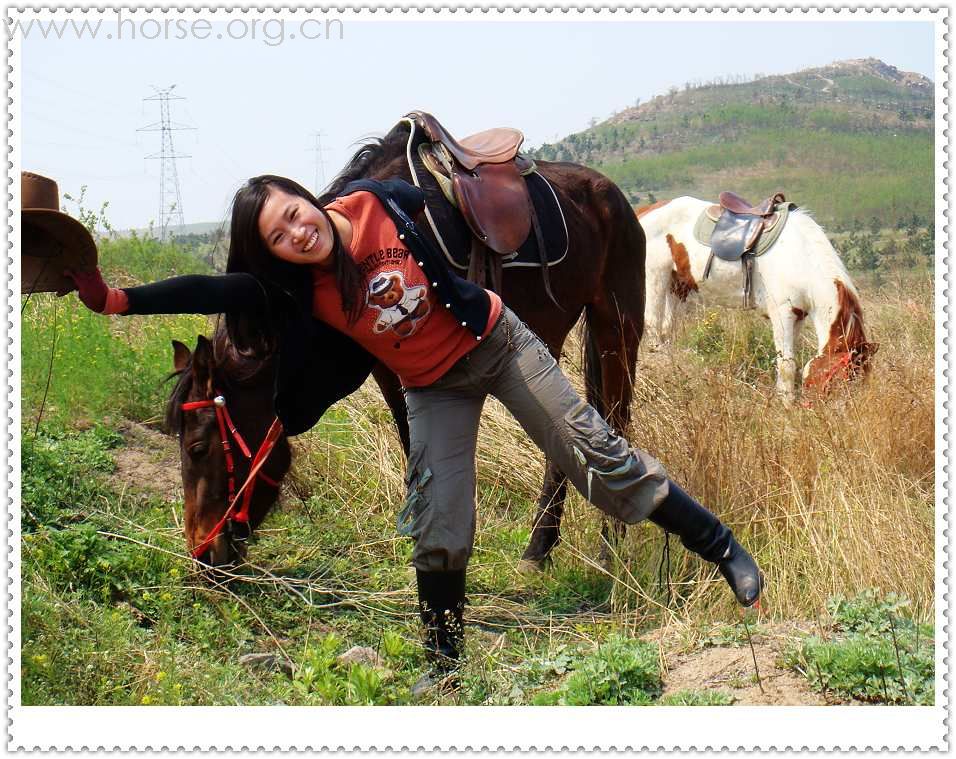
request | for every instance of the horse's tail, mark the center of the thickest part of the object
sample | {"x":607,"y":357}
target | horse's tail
{"x":593,"y":378}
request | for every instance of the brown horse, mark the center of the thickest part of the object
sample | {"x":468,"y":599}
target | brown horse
{"x":602,"y":276}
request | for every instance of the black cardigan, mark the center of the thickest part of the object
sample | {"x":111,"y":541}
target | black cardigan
{"x":317,"y":364}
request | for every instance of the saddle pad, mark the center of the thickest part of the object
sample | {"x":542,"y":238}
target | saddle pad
{"x":704,"y":227}
{"x":453,"y":236}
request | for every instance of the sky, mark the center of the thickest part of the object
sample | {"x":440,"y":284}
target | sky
{"x":255,"y":103}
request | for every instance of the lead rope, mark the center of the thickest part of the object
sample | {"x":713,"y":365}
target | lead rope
{"x":49,"y":373}
{"x":33,"y":287}
{"x":664,"y":574}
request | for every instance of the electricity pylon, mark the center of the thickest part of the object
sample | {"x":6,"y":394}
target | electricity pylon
{"x":170,"y":200}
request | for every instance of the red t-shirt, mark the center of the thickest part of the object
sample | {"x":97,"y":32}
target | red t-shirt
{"x":403,"y":323}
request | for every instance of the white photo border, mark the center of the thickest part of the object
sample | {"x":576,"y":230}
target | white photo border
{"x":488,"y":728}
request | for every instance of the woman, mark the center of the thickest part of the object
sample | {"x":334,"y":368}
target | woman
{"x":333,"y":289}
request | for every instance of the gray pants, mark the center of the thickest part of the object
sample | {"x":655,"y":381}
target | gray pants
{"x":514,"y":366}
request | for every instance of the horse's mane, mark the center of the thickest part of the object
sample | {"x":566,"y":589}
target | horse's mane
{"x":233,"y":370}
{"x":373,"y":155}
{"x":846,"y":331}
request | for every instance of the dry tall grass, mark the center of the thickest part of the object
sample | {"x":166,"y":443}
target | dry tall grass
{"x":830,"y":499}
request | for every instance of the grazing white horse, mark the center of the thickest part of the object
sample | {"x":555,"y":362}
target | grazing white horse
{"x":799,"y":276}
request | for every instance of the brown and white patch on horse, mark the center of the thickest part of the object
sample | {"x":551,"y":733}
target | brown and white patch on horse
{"x":682,"y":281}
{"x":847,"y":353}
{"x":799,"y":313}
{"x":652,"y":207}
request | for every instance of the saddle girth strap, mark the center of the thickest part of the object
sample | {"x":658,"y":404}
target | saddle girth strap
{"x":747,"y":267}
{"x":747,"y":261}
{"x":542,"y":253}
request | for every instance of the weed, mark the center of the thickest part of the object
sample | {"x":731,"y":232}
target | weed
{"x":698,"y":698}
{"x":621,"y":671}
{"x":873,"y":655}
{"x":734,"y":339}
{"x":59,"y":474}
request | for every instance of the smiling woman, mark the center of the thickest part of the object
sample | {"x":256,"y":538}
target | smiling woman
{"x":297,"y":231}
{"x":329,"y":290}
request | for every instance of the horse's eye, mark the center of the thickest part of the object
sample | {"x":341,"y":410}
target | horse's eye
{"x":198,"y":450}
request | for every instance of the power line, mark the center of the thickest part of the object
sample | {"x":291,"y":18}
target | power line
{"x":319,"y":162}
{"x":170,"y":200}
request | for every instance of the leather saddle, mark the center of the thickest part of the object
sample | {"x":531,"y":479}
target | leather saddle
{"x":483,"y":175}
{"x":740,"y":224}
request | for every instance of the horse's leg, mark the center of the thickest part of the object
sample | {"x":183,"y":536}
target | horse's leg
{"x":659,"y":309}
{"x":392,"y":393}
{"x":614,"y":335}
{"x":670,"y":315}
{"x":783,"y":321}
{"x":546,"y":531}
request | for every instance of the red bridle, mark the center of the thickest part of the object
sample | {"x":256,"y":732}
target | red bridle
{"x":841,"y":365}
{"x":248,"y":487}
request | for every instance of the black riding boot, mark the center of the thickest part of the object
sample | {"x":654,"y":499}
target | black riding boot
{"x":703,"y":533}
{"x":441,"y":602}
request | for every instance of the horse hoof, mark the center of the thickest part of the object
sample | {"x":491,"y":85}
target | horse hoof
{"x":533,"y":566}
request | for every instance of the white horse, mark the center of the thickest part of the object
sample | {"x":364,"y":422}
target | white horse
{"x":799,"y":276}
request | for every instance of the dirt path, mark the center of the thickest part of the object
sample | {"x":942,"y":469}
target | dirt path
{"x":148,"y":462}
{"x":830,"y":83}
{"x":729,"y":668}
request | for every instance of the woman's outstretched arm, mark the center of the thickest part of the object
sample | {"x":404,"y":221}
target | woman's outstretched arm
{"x":190,"y":294}
{"x":197,"y":294}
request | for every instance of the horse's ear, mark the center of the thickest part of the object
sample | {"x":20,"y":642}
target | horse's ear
{"x":203,"y":363}
{"x":181,"y":356}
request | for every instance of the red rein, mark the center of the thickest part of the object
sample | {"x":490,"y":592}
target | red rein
{"x":248,"y":487}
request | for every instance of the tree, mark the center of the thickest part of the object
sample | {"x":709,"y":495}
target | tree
{"x":921,"y":245}
{"x":860,"y":251}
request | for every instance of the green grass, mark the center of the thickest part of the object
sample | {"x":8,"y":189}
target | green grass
{"x":698,"y":698}
{"x":114,"y":612}
{"x":105,"y":367}
{"x":876,"y":653}
{"x":620,"y":671}
{"x":742,"y":342}
{"x":840,"y":176}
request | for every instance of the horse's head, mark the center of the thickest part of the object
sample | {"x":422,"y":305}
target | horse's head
{"x":847,"y":353}
{"x":829,"y":370}
{"x":218,"y":395}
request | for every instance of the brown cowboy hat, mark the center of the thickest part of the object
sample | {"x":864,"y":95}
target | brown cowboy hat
{"x":51,"y":240}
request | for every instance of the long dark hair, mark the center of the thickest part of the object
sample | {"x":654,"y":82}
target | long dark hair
{"x":288,"y":286}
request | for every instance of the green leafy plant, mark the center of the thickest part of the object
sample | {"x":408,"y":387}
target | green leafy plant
{"x":698,"y":698}
{"x":876,"y":653}
{"x":621,"y":671}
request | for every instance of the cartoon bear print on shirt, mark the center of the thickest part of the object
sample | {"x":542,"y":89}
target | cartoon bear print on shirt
{"x":401,"y":307}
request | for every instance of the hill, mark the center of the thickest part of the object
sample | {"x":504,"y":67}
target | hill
{"x":850,"y":141}
{"x":198,"y":228}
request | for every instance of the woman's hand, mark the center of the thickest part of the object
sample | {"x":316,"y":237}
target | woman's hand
{"x":95,"y":294}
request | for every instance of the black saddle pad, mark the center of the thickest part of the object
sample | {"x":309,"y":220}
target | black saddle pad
{"x":454,"y":237}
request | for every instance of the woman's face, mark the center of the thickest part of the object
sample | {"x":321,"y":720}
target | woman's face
{"x":294,"y":230}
